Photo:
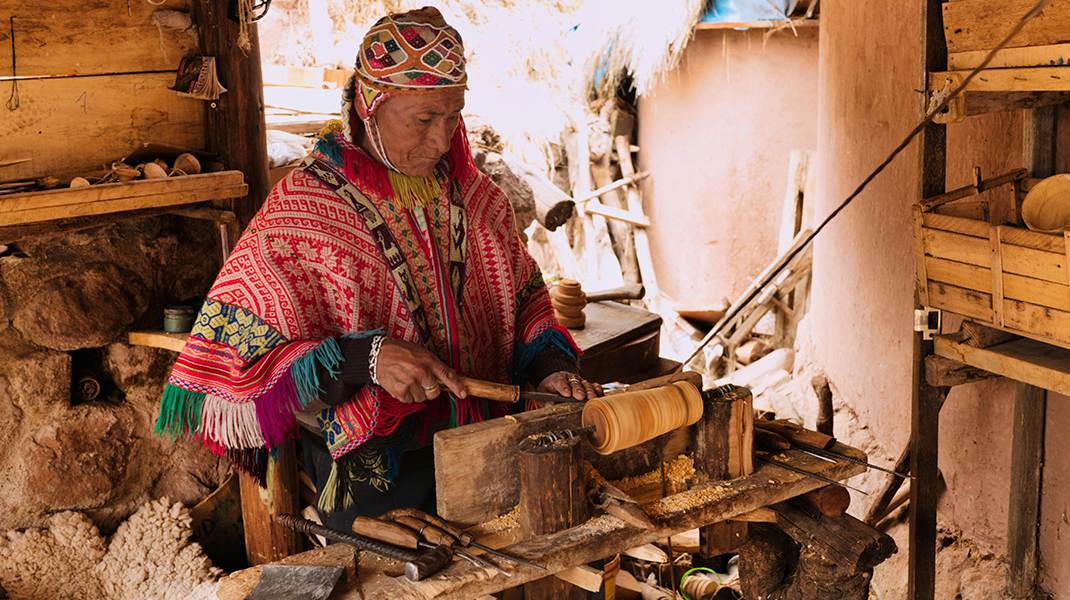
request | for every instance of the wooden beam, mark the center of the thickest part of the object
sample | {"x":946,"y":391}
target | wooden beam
{"x":972,"y":25}
{"x":1028,"y":56}
{"x":158,"y":339}
{"x":844,"y":540}
{"x":770,"y":24}
{"x":944,"y":372}
{"x":1023,"y":359}
{"x":1027,"y":459}
{"x":618,"y":214}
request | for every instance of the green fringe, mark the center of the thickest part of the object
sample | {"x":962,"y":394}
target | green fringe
{"x":303,"y":370}
{"x":180,"y":412}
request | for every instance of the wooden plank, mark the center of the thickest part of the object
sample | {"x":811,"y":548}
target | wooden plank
{"x":1023,"y":514}
{"x":1052,"y":55}
{"x":111,"y":191}
{"x":1022,"y":79}
{"x":980,"y":103}
{"x":1038,"y":320}
{"x":611,"y":324}
{"x":920,"y":266}
{"x":1020,"y":236}
{"x":73,"y":126}
{"x":981,"y":24}
{"x":121,"y":205}
{"x":265,"y":540}
{"x":997,"y":275}
{"x":957,"y":247}
{"x":956,"y":224}
{"x":159,"y":339}
{"x":1036,"y":291}
{"x":605,"y":536}
{"x":772,"y":24}
{"x":959,"y":274}
{"x":944,"y":372}
{"x":597,"y":208}
{"x":976,"y":210}
{"x":54,"y":37}
{"x":1024,"y":359}
{"x":1037,"y":264}
{"x":960,"y":301}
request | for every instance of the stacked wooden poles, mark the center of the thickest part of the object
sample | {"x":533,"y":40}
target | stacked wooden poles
{"x":552,"y":498}
{"x":569,"y":300}
{"x":724,"y":449}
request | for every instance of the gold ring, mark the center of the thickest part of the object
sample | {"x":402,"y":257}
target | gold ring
{"x":431,"y":388}
{"x":575,"y":379}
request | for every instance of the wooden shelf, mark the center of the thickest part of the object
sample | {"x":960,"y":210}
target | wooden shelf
{"x":111,"y":198}
{"x":159,"y":339}
{"x":1029,"y":361}
{"x":771,"y":24}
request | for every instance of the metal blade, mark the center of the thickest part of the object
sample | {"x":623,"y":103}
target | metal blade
{"x":295,"y":582}
{"x":808,"y":448}
{"x":501,"y":554}
{"x":807,"y":473}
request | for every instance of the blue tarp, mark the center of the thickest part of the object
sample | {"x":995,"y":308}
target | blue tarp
{"x":738,"y":11}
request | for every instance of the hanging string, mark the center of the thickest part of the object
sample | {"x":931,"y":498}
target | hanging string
{"x":734,"y":310}
{"x":245,"y":11}
{"x":629,"y":419}
{"x":13,"y":101}
{"x":174,"y":20}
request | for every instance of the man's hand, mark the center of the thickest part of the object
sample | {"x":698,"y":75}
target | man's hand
{"x":412,"y":374}
{"x":569,"y":384}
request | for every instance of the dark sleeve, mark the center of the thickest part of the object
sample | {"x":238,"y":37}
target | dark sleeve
{"x":551,"y":360}
{"x":353,"y":372}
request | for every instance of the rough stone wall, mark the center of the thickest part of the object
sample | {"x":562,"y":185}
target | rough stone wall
{"x":70,"y":299}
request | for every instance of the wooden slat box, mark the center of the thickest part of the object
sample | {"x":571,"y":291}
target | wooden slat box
{"x":1004,"y":276}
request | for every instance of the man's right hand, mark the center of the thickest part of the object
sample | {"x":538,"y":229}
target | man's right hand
{"x":412,"y":374}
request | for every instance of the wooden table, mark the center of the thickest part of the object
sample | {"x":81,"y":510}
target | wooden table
{"x":618,"y":341}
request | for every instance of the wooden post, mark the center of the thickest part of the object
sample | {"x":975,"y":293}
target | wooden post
{"x":724,"y":449}
{"x":237,"y":133}
{"x":925,"y":399}
{"x":236,"y":128}
{"x":553,"y":497}
{"x":1027,"y":456}
{"x":265,"y":540}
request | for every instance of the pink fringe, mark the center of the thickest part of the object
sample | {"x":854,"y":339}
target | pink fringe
{"x":391,"y":413}
{"x":460,"y":154}
{"x":275,"y":411}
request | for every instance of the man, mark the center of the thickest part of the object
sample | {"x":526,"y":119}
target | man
{"x":371,"y":278}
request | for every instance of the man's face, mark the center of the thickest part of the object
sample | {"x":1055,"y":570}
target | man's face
{"x":416,"y":128}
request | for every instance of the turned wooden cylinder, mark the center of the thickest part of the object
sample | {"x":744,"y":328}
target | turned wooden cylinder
{"x":724,"y":449}
{"x":552,"y":498}
{"x":629,"y":419}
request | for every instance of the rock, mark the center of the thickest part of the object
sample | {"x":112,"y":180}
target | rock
{"x":516,"y":189}
{"x":94,"y":446}
{"x":87,"y":308}
{"x":33,"y":374}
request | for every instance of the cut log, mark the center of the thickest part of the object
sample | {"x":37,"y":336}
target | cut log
{"x":553,"y":207}
{"x":831,"y":500}
{"x":843,"y":540}
{"x":940,"y":371}
{"x":724,"y":449}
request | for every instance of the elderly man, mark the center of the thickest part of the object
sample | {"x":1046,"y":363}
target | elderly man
{"x":376,"y":274}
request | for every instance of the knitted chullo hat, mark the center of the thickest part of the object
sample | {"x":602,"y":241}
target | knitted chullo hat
{"x":415,"y":52}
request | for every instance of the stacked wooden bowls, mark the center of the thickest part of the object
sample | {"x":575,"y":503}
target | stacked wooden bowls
{"x":568,"y":300}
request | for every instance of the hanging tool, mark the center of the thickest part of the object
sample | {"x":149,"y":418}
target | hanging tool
{"x":807,"y":473}
{"x":434,"y":536}
{"x":463,"y":537}
{"x":417,"y":566}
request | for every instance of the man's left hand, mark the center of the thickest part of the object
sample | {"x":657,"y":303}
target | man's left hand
{"x":569,"y":384}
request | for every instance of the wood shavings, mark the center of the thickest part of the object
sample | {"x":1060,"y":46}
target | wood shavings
{"x":679,"y":470}
{"x":510,"y":520}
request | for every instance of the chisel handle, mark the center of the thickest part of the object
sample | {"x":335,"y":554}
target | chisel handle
{"x":384,"y":531}
{"x":498,"y":392}
{"x":427,"y":531}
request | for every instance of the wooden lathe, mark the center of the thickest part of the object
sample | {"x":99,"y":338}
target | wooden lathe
{"x":535,"y":507}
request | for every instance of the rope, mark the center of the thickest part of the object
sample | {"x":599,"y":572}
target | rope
{"x":738,"y":306}
{"x":624,"y":420}
{"x":175,"y":20}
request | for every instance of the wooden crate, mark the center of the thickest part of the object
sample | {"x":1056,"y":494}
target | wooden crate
{"x":1001,"y":275}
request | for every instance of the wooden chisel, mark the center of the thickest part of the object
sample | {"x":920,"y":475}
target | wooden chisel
{"x":386,"y":531}
{"x":501,"y":392}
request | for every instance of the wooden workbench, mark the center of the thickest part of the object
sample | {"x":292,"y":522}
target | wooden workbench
{"x":597,"y":538}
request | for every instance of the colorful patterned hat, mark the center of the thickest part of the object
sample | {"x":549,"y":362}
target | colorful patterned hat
{"x":416,"y":51}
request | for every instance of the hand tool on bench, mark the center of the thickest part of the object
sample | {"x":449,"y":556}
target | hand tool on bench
{"x":615,"y":502}
{"x":417,"y":566}
{"x":631,"y":291}
{"x":501,"y":392}
{"x":463,"y":537}
{"x":806,"y":440}
{"x":296,"y":582}
{"x":788,"y":467}
{"x":433,"y":536}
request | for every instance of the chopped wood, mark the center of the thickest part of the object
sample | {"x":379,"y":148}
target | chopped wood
{"x":649,"y":553}
{"x":627,"y":180}
{"x":831,"y":500}
{"x":760,"y":515}
{"x":594,"y":207}
{"x":583,"y":576}
{"x":844,"y":540}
